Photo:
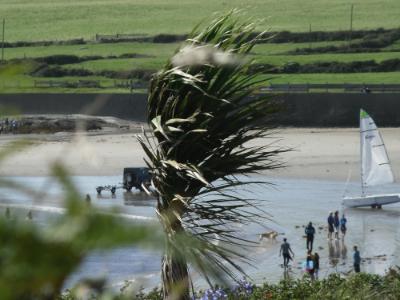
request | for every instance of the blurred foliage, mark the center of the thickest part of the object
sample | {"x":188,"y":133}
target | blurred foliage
{"x":354,"y":287}
{"x":35,"y":263}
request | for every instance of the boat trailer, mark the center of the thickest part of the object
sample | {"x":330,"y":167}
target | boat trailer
{"x":132,"y":178}
{"x":111,"y":188}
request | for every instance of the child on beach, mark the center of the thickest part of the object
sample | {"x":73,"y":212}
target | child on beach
{"x":308,"y":265}
{"x":356,"y":259}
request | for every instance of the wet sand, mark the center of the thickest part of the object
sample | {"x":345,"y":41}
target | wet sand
{"x":317,"y":153}
{"x":291,"y":204}
{"x":311,"y":185}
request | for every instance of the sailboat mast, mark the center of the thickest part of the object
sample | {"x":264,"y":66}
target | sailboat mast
{"x":361,"y":157}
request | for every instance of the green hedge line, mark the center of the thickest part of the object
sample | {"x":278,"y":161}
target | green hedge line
{"x":369,"y":43}
{"x":64,"y":59}
{"x":390,"y":65}
{"x":45,"y":70}
{"x":270,"y":37}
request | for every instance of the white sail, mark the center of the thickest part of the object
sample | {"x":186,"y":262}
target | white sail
{"x":375,"y":165}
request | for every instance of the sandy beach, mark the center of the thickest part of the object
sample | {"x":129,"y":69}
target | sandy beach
{"x":308,"y":188}
{"x":328,"y":153}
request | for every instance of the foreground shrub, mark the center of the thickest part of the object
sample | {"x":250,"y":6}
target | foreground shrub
{"x":335,"y":287}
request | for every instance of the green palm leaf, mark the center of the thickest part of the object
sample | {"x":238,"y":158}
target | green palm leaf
{"x":203,"y":116}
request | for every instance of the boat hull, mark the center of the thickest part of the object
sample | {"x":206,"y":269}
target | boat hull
{"x":371,"y":200}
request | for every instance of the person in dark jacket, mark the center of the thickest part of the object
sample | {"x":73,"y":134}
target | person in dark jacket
{"x":337,"y":224}
{"x":310,"y":232}
{"x":356,"y":259}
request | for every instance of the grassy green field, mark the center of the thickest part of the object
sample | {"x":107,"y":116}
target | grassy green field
{"x":342,"y":57}
{"x":15,"y":78}
{"x":38,"y":20}
{"x":384,"y":77}
{"x":59,"y":19}
{"x":151,"y":49}
{"x":158,"y":54}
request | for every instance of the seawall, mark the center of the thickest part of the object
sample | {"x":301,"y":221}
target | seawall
{"x":303,"y":110}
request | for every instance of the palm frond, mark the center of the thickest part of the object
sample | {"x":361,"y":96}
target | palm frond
{"x":203,"y":117}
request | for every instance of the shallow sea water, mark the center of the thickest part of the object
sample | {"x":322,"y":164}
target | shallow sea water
{"x":291,"y":203}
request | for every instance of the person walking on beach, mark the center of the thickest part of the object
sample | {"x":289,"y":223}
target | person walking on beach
{"x":331,"y":222}
{"x":337,"y":224}
{"x":310,"y":231}
{"x":343,"y":228}
{"x":285,"y":251}
{"x":356,"y":259}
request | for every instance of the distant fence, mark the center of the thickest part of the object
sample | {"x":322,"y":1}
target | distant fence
{"x":125,"y":84}
{"x":119,"y":37}
{"x":66,"y":84}
{"x":345,"y":87}
{"x":273,"y":88}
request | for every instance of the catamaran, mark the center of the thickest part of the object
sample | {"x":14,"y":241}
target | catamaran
{"x":375,"y":166}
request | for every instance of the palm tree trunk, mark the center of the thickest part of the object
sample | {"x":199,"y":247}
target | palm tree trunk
{"x":175,"y":276}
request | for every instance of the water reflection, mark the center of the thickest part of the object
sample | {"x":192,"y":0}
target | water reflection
{"x":286,"y":275}
{"x":138,"y":199}
{"x":377,"y":232}
{"x":344,"y":250}
{"x":106,"y":196}
{"x":334,"y":253}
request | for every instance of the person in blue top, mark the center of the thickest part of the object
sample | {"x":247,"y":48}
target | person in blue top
{"x":309,"y":231}
{"x":356,"y":259}
{"x":331,"y":222}
{"x":343,"y":222}
{"x":337,"y":224}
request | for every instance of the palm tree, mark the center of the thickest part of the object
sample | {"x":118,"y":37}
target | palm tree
{"x":202,"y":115}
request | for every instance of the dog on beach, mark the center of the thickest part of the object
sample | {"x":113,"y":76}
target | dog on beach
{"x":271,"y":235}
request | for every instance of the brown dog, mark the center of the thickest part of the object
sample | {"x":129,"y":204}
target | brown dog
{"x":269,"y":235}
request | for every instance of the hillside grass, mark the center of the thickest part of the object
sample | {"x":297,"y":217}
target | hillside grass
{"x":37,"y":20}
{"x":102,"y":49}
{"x":260,"y":55}
{"x":151,"y":49}
{"x":368,"y":78}
{"x":279,"y":60}
{"x":34,"y":20}
{"x":15,"y":78}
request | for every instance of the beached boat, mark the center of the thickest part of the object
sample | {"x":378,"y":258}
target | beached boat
{"x":375,"y":166}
